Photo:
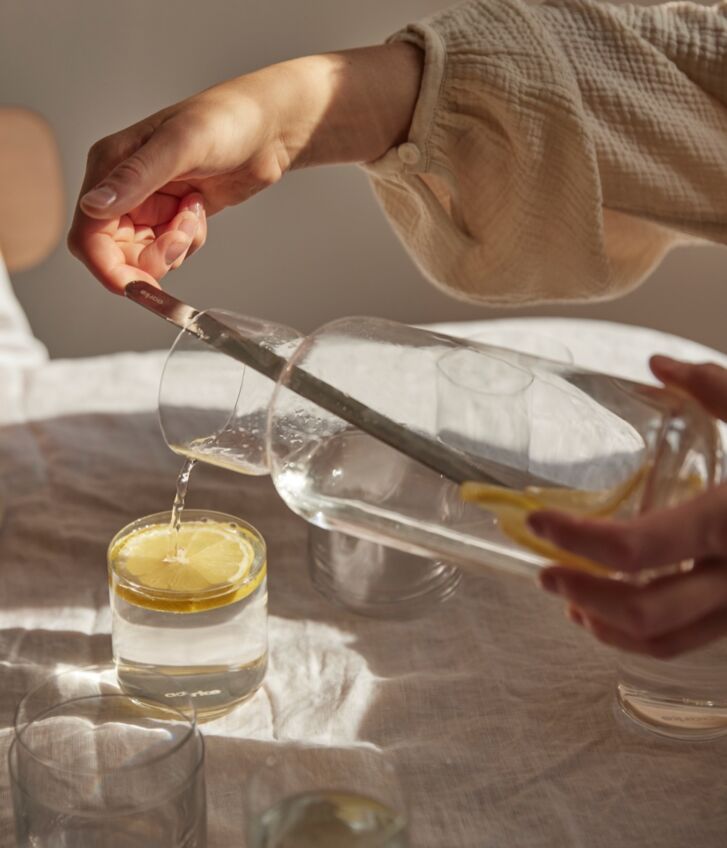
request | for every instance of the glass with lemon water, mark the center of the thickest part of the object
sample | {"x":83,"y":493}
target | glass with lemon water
{"x":189,"y":602}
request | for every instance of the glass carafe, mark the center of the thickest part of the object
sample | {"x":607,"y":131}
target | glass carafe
{"x":510,"y":418}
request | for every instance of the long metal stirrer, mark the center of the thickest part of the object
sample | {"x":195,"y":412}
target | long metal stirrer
{"x":434,"y":455}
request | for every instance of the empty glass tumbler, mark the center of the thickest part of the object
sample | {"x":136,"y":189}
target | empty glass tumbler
{"x":683,"y":698}
{"x":376,"y":580}
{"x":90,"y":766}
{"x":325,"y":797}
{"x":523,"y":339}
{"x":538,"y":422}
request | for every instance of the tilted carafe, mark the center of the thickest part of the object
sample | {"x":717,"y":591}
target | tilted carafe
{"x":344,"y":410}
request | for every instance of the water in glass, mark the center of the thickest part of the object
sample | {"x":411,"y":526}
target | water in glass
{"x":190,"y":601}
{"x":329,"y":819}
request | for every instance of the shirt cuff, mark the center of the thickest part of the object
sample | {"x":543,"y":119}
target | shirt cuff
{"x":415,"y":154}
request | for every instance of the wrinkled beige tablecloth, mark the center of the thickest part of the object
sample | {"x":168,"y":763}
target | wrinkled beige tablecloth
{"x":498,"y":713}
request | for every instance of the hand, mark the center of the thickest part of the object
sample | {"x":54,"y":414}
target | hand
{"x":148,"y":189}
{"x":672,"y":614}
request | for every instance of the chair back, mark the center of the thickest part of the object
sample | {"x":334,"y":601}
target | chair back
{"x":31,"y":193}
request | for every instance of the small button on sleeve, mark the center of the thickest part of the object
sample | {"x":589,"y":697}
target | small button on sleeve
{"x":409,"y":153}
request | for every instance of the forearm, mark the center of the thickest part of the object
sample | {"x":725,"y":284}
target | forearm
{"x":350,"y":106}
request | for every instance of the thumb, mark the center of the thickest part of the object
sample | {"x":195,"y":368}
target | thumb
{"x":706,"y":383}
{"x":159,"y":161}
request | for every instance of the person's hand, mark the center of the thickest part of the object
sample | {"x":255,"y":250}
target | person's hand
{"x":148,"y":189}
{"x":672,"y":614}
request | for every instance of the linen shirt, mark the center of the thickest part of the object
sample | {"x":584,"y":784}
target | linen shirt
{"x":558,"y":151}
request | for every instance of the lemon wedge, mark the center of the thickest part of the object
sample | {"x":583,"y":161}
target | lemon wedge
{"x":211,"y":566}
{"x":512,"y":507}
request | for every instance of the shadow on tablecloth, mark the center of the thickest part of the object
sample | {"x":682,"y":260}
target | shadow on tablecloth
{"x":498,"y":713}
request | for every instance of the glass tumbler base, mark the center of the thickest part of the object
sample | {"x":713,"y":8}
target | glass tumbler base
{"x":683,"y":698}
{"x":376,"y":581}
{"x":213,"y":692}
{"x":676,"y":718}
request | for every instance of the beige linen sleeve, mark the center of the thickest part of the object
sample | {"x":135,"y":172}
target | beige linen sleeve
{"x":558,"y":151}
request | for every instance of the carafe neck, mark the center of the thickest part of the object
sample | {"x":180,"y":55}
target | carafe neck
{"x":212,"y":407}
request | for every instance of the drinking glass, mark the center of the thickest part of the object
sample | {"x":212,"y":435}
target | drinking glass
{"x":375,"y":580}
{"x":90,"y":766}
{"x":321,"y":797}
{"x":522,"y":340}
{"x":682,"y":698}
{"x":210,"y":640}
{"x":482,"y":406}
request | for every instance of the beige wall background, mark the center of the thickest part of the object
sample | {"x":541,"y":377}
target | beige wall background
{"x":314,"y":247}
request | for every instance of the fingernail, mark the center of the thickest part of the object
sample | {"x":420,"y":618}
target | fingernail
{"x":198,"y":209}
{"x":548,"y":582}
{"x":100,"y":197}
{"x":174,"y":251}
{"x":188,"y":226}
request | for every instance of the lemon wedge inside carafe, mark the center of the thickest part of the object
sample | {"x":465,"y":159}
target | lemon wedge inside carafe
{"x":512,"y":508}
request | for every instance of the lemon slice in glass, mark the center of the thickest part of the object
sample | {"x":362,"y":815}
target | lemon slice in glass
{"x":208,"y":565}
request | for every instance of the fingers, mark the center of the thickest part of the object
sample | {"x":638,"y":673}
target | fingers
{"x":158,"y":208}
{"x":121,"y":250}
{"x":706,"y":383}
{"x":166,"y":251}
{"x":664,"y":647}
{"x":161,"y":159}
{"x":107,"y":261}
{"x":696,"y":529}
{"x":643,"y":613}
{"x":200,"y":236}
{"x":194,"y":203}
{"x":170,"y":247}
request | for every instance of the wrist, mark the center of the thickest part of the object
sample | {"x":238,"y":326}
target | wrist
{"x":350,"y":106}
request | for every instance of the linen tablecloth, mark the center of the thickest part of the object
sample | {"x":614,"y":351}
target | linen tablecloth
{"x":498,"y":713}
